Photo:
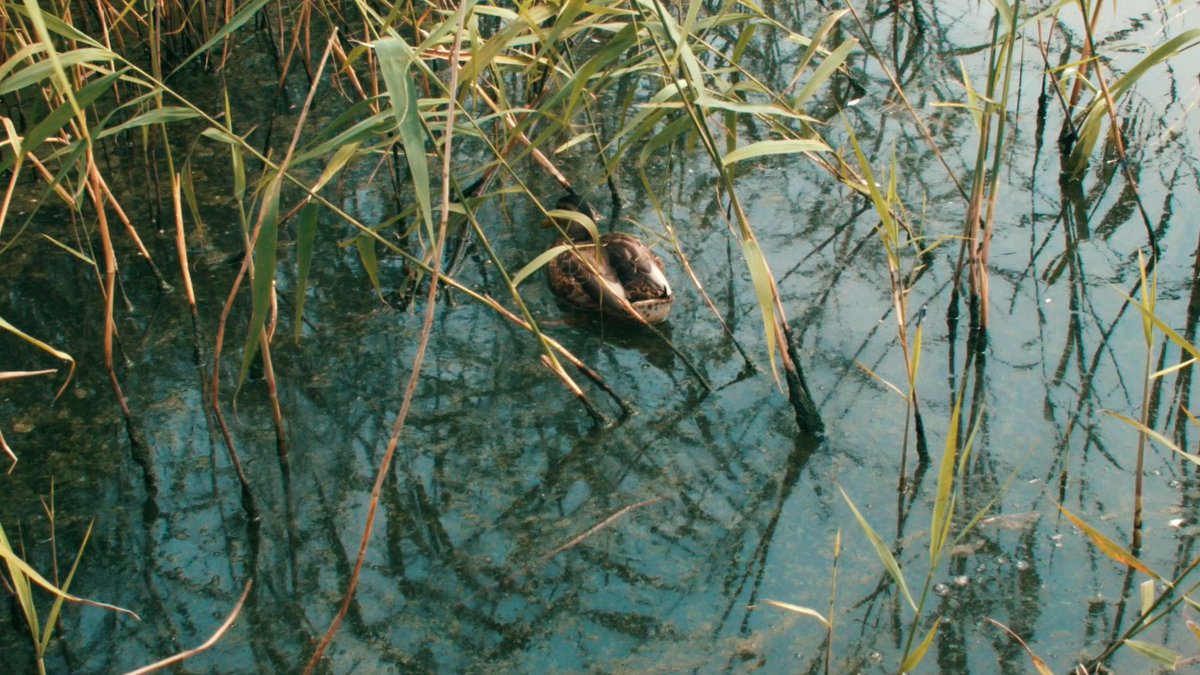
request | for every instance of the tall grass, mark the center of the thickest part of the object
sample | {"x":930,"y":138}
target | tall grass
{"x":477,"y":91}
{"x":451,"y":107}
{"x":23,"y":580}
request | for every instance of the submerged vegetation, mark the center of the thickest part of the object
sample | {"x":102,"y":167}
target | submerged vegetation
{"x":332,"y":210}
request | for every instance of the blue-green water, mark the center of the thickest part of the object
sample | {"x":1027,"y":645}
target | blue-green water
{"x":514,"y":534}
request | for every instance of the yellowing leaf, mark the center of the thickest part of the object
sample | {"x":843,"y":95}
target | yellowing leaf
{"x":1109,"y":547}
{"x":761,"y":276}
{"x":799,"y":610}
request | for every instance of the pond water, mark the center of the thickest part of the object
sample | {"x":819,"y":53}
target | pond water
{"x":516,"y":534}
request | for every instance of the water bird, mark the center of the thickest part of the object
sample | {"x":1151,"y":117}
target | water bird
{"x":596,"y":279}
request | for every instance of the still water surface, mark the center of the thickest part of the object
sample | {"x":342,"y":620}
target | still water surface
{"x":517,"y":535}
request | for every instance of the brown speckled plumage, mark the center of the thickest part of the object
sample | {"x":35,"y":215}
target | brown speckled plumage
{"x":625,"y":268}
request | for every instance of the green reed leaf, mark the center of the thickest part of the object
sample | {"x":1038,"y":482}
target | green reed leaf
{"x":814,"y":42}
{"x":664,"y":137}
{"x":943,"y":501}
{"x":265,"y":251}
{"x":4,"y":325}
{"x":823,"y":72}
{"x":239,"y":19}
{"x":46,"y":69}
{"x":69,"y":249}
{"x":1161,"y":655}
{"x":56,"y":608}
{"x":1180,"y":341}
{"x":709,"y":102}
{"x":59,"y":117}
{"x":163,"y":115}
{"x":1146,"y":596}
{"x":914,"y":657}
{"x":19,"y":568}
{"x":306,"y":235}
{"x":881,"y":550}
{"x":395,"y":61}
{"x":760,"y":275}
{"x":1156,"y":436}
{"x":779,"y":147}
{"x":370,"y":259}
{"x":482,"y":55}
{"x":1097,"y":113}
{"x":21,"y":574}
{"x":341,"y":157}
{"x":539,"y":262}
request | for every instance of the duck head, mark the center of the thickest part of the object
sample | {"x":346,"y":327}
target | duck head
{"x":575,"y":231}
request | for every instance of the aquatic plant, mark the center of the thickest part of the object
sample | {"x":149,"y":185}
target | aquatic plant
{"x":23,"y":580}
{"x":457,"y":117}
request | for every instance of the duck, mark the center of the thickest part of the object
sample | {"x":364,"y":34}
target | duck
{"x":597,"y":281}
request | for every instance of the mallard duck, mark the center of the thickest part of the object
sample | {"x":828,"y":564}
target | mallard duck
{"x":625,"y":268}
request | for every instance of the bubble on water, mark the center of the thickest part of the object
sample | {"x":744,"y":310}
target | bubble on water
{"x":962,"y":581}
{"x":875,"y":657}
{"x":941,"y":589}
{"x":1023,"y":565}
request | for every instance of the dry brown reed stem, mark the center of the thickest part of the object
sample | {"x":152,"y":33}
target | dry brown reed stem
{"x":346,"y":67}
{"x":597,"y":527}
{"x":556,"y":368}
{"x":212,"y":640}
{"x":1085,"y":56}
{"x":691,"y":273}
{"x":108,"y":285}
{"x":981,"y":254}
{"x":511,"y":123}
{"x":1119,"y":143}
{"x":116,"y":207}
{"x":248,"y":502}
{"x":268,"y":331}
{"x":418,"y":358}
{"x":554,"y":344}
{"x":807,"y":416}
{"x":226,"y":20}
{"x":8,"y":451}
{"x":577,"y":540}
{"x":974,"y":213}
{"x":300,"y":29}
{"x":49,"y":178}
{"x":264,"y":342}
{"x":18,"y":374}
{"x":13,"y":142}
{"x":281,"y":445}
{"x":896,"y":87}
{"x":181,"y":243}
{"x":1118,"y":137}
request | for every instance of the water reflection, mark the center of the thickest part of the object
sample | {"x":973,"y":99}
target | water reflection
{"x":517,"y":534}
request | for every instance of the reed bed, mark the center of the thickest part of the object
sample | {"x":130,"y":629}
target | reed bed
{"x":450,"y":109}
